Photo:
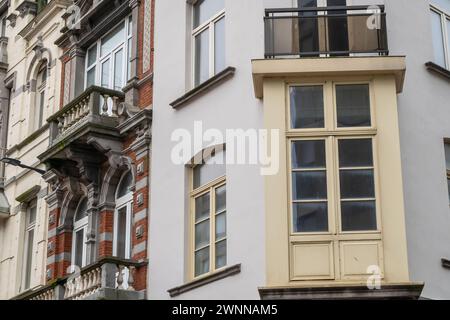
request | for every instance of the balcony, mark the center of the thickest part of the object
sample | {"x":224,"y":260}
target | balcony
{"x":325,"y":32}
{"x":108,"y":279}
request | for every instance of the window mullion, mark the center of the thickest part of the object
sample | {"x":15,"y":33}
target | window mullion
{"x":212,"y":242}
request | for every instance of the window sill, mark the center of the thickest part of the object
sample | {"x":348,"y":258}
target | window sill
{"x":438,"y":69}
{"x":204,"y":87}
{"x":216,"y":276}
{"x":445,"y":263}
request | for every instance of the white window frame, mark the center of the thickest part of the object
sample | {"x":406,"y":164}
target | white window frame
{"x":3,"y":25}
{"x":445,"y":33}
{"x":28,"y":228}
{"x":123,"y":202}
{"x":39,"y":98}
{"x":210,"y":25}
{"x":124,"y":45}
{"x":79,"y":225}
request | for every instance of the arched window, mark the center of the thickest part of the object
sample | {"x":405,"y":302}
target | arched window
{"x":209,"y":216}
{"x":79,"y":234}
{"x":41,"y":83}
{"x":122,"y":217}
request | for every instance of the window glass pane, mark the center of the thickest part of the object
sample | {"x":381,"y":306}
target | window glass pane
{"x":310,"y":217}
{"x":308,"y":154}
{"x":130,"y":25}
{"x":202,"y":262}
{"x":121,"y":234}
{"x":112,"y":40}
{"x":221,"y":195}
{"x":359,"y":216}
{"x":357,"y":184}
{"x":309,"y":185}
{"x":205,"y":9}
{"x":353,"y":105}
{"x":307,"y":107}
{"x":213,"y":168}
{"x":92,"y":55}
{"x":221,"y":226}
{"x":29,"y":261}
{"x":90,"y":81}
{"x":438,"y":39}
{"x":447,"y":155}
{"x":81,"y":210}
{"x":202,"y":207}
{"x":118,"y":70}
{"x":448,"y":184}
{"x":202,"y":236}
{"x":202,"y":57}
{"x":125,"y":184}
{"x":219,"y":44}
{"x":355,"y":153}
{"x":105,"y":73}
{"x":79,"y":248}
{"x":32,"y":215}
{"x":443,"y":4}
{"x":221,"y":254}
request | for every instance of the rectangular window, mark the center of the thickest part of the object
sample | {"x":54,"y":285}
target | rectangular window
{"x":108,"y":60}
{"x":440,"y":26}
{"x":447,"y":161}
{"x":209,"y":218}
{"x":333,"y":182}
{"x":30,"y":224}
{"x":208,"y":39}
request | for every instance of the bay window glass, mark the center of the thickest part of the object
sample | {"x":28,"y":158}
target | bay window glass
{"x":353,"y":105}
{"x":440,"y":27}
{"x":209,"y":217}
{"x":108,"y":60}
{"x":309,"y":186}
{"x":307,"y":109}
{"x":208,"y":39}
{"x":333,"y":184}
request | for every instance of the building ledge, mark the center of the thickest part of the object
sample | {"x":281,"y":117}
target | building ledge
{"x":204,"y":87}
{"x":334,"y":66}
{"x":433,"y":67}
{"x":216,"y":276}
{"x":406,"y":291}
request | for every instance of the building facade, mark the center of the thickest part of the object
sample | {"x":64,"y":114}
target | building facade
{"x":361,"y":193}
{"x":81,"y":112}
{"x":275,"y":149}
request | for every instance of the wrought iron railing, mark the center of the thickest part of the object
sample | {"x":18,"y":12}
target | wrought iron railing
{"x":325,"y":31}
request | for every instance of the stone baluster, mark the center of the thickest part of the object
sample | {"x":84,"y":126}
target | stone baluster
{"x":131,"y":271}
{"x":120,"y":277}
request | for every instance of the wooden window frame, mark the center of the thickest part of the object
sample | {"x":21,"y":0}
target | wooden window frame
{"x":331,"y":133}
{"x":210,"y":188}
{"x":210,"y":26}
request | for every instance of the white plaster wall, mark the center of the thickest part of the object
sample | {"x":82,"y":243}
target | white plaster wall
{"x":230,"y":105}
{"x":12,"y":230}
{"x":424,"y":112}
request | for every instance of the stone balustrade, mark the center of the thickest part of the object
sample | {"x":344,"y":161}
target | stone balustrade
{"x":96,"y":105}
{"x":96,"y":281}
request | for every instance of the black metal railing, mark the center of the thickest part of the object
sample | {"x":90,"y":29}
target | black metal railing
{"x":325,"y":31}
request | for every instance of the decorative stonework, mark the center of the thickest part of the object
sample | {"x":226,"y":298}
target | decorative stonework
{"x":67,"y":83}
{"x":146,"y":50}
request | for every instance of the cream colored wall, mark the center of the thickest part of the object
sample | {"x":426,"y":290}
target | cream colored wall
{"x":390,"y":192}
{"x":19,"y":180}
